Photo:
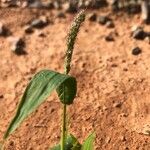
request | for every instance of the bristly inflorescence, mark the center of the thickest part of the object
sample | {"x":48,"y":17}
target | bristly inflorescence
{"x":71,"y":39}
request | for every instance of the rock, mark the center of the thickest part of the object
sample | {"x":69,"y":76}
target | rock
{"x":122,"y":138}
{"x":17,"y":45}
{"x":107,"y":140}
{"x":109,"y":38}
{"x":145,"y":12}
{"x":98,"y":4}
{"x":138,"y":33}
{"x":57,"y":5}
{"x":81,"y":4}
{"x":92,"y":16}
{"x":134,"y":28}
{"x":110,"y":24}
{"x":125,"y":69}
{"x":8,"y":3}
{"x":40,"y":34}
{"x":1,"y":96}
{"x":114,"y":65}
{"x":136,"y":51}
{"x":39,"y":23}
{"x":28,"y":29}
{"x":35,"y":4}
{"x":147,"y":39}
{"x":132,"y":8}
{"x":117,"y":104}
{"x":114,"y":5}
{"x":3,"y":30}
{"x":102,"y":19}
{"x":24,"y":4}
{"x":48,"y":5}
{"x":69,"y":7}
{"x":88,"y":4}
{"x":60,"y":15}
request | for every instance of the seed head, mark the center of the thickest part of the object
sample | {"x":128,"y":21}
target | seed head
{"x":71,"y":39}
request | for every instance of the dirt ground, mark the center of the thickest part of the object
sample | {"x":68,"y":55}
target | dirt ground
{"x":113,"y":85}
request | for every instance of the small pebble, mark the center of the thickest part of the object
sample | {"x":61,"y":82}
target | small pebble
{"x":28,"y":29}
{"x":117,"y":104}
{"x":109,"y":38}
{"x":136,"y":51}
{"x":103,"y":20}
{"x":114,"y":65}
{"x":57,"y":5}
{"x":92,"y":16}
{"x":35,"y":4}
{"x":40,"y":34}
{"x":69,"y":8}
{"x":139,"y":34}
{"x":48,"y":5}
{"x":107,"y":140}
{"x":1,"y":96}
{"x":17,"y":45}
{"x":122,"y":138}
{"x":60,"y":15}
{"x":3,"y":30}
{"x":39,"y":23}
{"x":110,"y":24}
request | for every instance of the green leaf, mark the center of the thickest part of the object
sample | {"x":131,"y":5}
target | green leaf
{"x":66,"y":91}
{"x":89,"y":143}
{"x":40,"y":87}
{"x":71,"y":144}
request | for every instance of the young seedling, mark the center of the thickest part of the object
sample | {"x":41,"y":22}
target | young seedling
{"x":43,"y":84}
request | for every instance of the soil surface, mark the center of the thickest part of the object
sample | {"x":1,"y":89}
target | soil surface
{"x":113,"y":96}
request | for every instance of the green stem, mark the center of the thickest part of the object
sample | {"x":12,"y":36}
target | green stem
{"x":63,"y":136}
{"x":70,"y":45}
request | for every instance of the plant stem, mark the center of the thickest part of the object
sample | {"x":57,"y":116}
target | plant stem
{"x":63,"y":136}
{"x":70,"y":45}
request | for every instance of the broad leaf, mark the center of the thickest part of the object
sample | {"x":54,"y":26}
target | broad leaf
{"x":65,"y":91}
{"x":40,"y":87}
{"x":89,"y":143}
{"x":71,"y":144}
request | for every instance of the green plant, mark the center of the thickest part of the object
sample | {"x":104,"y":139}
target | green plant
{"x":43,"y":84}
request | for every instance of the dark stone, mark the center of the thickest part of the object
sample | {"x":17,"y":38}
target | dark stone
{"x":28,"y":29}
{"x":1,"y":96}
{"x":48,"y":5}
{"x":92,"y":17}
{"x":60,"y":15}
{"x":40,"y":34}
{"x":103,"y":19}
{"x":139,"y":34}
{"x":133,"y":9}
{"x":39,"y":23}
{"x":11,"y":143}
{"x":110,"y":24}
{"x":145,"y":8}
{"x":3,"y":30}
{"x":35,"y":4}
{"x":109,"y":38}
{"x":70,"y":7}
{"x":17,"y":45}
{"x":115,"y":5}
{"x":117,"y":104}
{"x":136,"y":51}
{"x":98,"y":4}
